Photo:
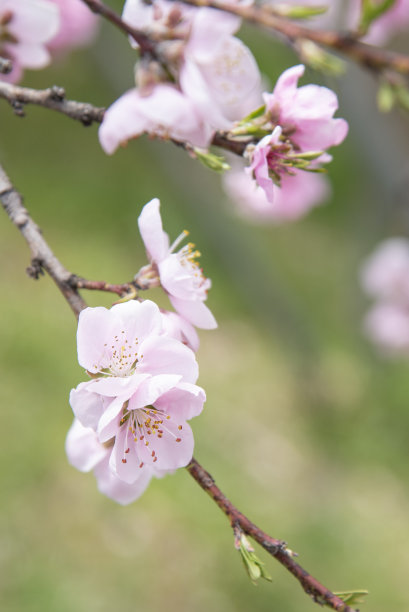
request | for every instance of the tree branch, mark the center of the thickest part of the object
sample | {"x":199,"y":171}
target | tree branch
{"x":348,"y":45}
{"x":42,"y":257}
{"x":276,"y":548}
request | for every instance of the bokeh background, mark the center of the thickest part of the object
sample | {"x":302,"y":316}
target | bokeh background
{"x":306,"y":427}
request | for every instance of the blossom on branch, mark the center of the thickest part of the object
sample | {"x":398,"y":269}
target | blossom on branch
{"x":296,"y":126}
{"x":26,"y":26}
{"x":136,"y":406}
{"x":179,"y":273}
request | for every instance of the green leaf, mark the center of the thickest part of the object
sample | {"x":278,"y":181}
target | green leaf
{"x":371,"y":11}
{"x":352,"y":597}
{"x":254,"y":567}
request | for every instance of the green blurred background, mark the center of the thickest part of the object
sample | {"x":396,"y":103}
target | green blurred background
{"x":306,"y":429}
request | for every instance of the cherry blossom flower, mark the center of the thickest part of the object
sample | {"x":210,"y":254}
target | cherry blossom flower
{"x":299,"y":192}
{"x":303,"y":128}
{"x":138,"y":401}
{"x":177,"y":327}
{"x":179,"y":273}
{"x":164,"y":112}
{"x":387,"y":326}
{"x":26,"y":26}
{"x":78,"y":25}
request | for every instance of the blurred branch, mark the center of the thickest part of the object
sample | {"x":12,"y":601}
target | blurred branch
{"x":276,"y":548}
{"x":52,"y":98}
{"x":42,"y":257}
{"x":6,"y":65}
{"x":346,"y":43}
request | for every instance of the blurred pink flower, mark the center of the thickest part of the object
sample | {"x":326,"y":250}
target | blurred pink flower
{"x":385,"y":277}
{"x":26,"y":26}
{"x":219,"y":72}
{"x":298,"y":193}
{"x":164,"y":112}
{"x":385,"y":274}
{"x":78,"y":25}
{"x":179,"y":273}
{"x":138,"y":400}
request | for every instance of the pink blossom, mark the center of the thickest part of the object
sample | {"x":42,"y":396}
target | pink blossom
{"x":177,"y":327}
{"x":165,"y":112}
{"x":86,"y":453}
{"x":26,"y":27}
{"x":138,"y":400}
{"x":305,"y":113}
{"x":78,"y":25}
{"x":385,"y":274}
{"x":299,"y":192}
{"x":179,"y":273}
{"x":387,"y":326}
{"x":219,"y":72}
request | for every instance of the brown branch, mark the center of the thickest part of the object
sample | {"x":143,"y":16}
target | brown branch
{"x":146,"y":44}
{"x":52,"y":98}
{"x":348,"y":45}
{"x":276,"y":548}
{"x":42,"y":257}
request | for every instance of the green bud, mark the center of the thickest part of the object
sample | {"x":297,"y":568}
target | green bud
{"x":321,"y":60}
{"x":299,"y":11}
{"x":254,"y":567}
{"x":212,"y":161}
{"x":385,"y":97}
{"x":370,"y":11}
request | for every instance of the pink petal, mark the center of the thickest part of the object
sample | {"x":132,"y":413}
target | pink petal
{"x":34,"y":21}
{"x":86,"y":405}
{"x":94,"y":330}
{"x":125,"y":460}
{"x":123,"y":493}
{"x":153,"y":388}
{"x":194,"y":311}
{"x":156,"y":241}
{"x":183,"y":402}
{"x":162,"y":355}
{"x":83,"y":449}
{"x":173,"y":450}
{"x":180,"y":329}
{"x":29,"y":55}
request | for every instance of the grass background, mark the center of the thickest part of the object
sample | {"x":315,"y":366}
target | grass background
{"x":305,"y":428}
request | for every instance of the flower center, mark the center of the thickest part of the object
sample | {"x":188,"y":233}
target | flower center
{"x":145,"y":426}
{"x":122,"y":355}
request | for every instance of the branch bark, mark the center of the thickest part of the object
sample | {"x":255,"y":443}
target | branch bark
{"x":276,"y":548}
{"x":347,"y":44}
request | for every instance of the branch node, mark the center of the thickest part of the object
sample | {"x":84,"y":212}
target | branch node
{"x":18,"y":108}
{"x":36,"y":269}
{"x":57,"y":93}
{"x":6,"y":65}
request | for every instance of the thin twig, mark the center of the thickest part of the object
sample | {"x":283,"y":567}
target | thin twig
{"x":347,"y":44}
{"x":276,"y":548}
{"x":42,"y":257}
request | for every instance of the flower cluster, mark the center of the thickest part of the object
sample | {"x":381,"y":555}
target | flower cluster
{"x":31,"y":29}
{"x":211,"y":77}
{"x":299,"y":127}
{"x":385,"y":277}
{"x":131,"y":417}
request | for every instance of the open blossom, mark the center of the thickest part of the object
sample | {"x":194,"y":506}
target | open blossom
{"x":141,"y":393}
{"x":303,"y":128}
{"x":78,"y":25}
{"x":179,"y":272}
{"x":26,"y":26}
{"x":165,"y":112}
{"x":385,"y":277}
